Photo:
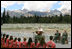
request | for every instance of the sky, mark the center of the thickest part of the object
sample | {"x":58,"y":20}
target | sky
{"x":35,"y":5}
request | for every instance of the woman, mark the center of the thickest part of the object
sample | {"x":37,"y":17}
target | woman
{"x":15,"y":43}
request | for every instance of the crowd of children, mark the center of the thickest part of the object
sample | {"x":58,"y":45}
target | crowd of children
{"x":7,"y":42}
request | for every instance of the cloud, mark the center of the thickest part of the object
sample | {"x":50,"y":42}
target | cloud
{"x":5,"y":4}
{"x":30,"y":5}
{"x":65,"y":5}
{"x":38,"y":5}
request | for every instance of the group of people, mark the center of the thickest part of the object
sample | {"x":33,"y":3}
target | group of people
{"x":63,"y":39}
{"x":8,"y":42}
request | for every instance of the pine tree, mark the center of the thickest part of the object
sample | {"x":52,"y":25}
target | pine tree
{"x":4,"y":17}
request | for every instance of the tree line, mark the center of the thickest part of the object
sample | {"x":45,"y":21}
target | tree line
{"x":35,"y":19}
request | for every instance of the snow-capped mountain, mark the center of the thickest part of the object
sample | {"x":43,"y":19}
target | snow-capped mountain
{"x":27,"y":13}
{"x":65,"y":11}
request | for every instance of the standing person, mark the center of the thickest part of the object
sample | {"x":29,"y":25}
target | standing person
{"x":3,"y":41}
{"x":11,"y":42}
{"x":51,"y":44}
{"x":7,"y":41}
{"x":57,"y":36}
{"x":15,"y":43}
{"x":31,"y":44}
{"x":24,"y":43}
{"x":64,"y":37}
{"x":19,"y":44}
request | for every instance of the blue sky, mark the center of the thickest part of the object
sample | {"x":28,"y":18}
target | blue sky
{"x":13,"y":7}
{"x":55,"y":6}
{"x":38,"y":6}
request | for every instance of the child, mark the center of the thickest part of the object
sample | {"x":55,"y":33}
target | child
{"x":11,"y":42}
{"x":19,"y":44}
{"x":42,"y":43}
{"x":30,"y":43}
{"x":51,"y":44}
{"x":24,"y":43}
{"x":14,"y":43}
{"x":7,"y":41}
{"x":3,"y":41}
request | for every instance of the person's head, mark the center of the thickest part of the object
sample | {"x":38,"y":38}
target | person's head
{"x":15,"y":39}
{"x":57,"y":31}
{"x":19,"y":39}
{"x":24,"y":39}
{"x":7,"y":36}
{"x":11,"y":37}
{"x":4,"y":35}
{"x":51,"y":37}
{"x":29,"y":41}
{"x":65,"y":31}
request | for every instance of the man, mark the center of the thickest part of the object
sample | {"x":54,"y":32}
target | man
{"x":57,"y":36}
{"x":64,"y":37}
{"x":51,"y":44}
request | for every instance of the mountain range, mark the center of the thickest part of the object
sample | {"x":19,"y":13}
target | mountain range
{"x":27,"y":13}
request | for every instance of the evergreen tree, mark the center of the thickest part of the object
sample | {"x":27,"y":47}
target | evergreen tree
{"x":4,"y":17}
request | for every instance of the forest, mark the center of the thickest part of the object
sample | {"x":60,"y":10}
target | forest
{"x":35,"y":19}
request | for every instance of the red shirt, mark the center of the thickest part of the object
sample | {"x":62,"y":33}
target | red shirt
{"x":39,"y":46}
{"x":19,"y":44}
{"x":15,"y":44}
{"x":44,"y":46}
{"x":10,"y":43}
{"x":7,"y":42}
{"x":32,"y":45}
{"x":3,"y":42}
{"x":24,"y":44}
{"x":51,"y":44}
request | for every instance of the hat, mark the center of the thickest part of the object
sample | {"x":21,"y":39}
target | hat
{"x":40,"y":29}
